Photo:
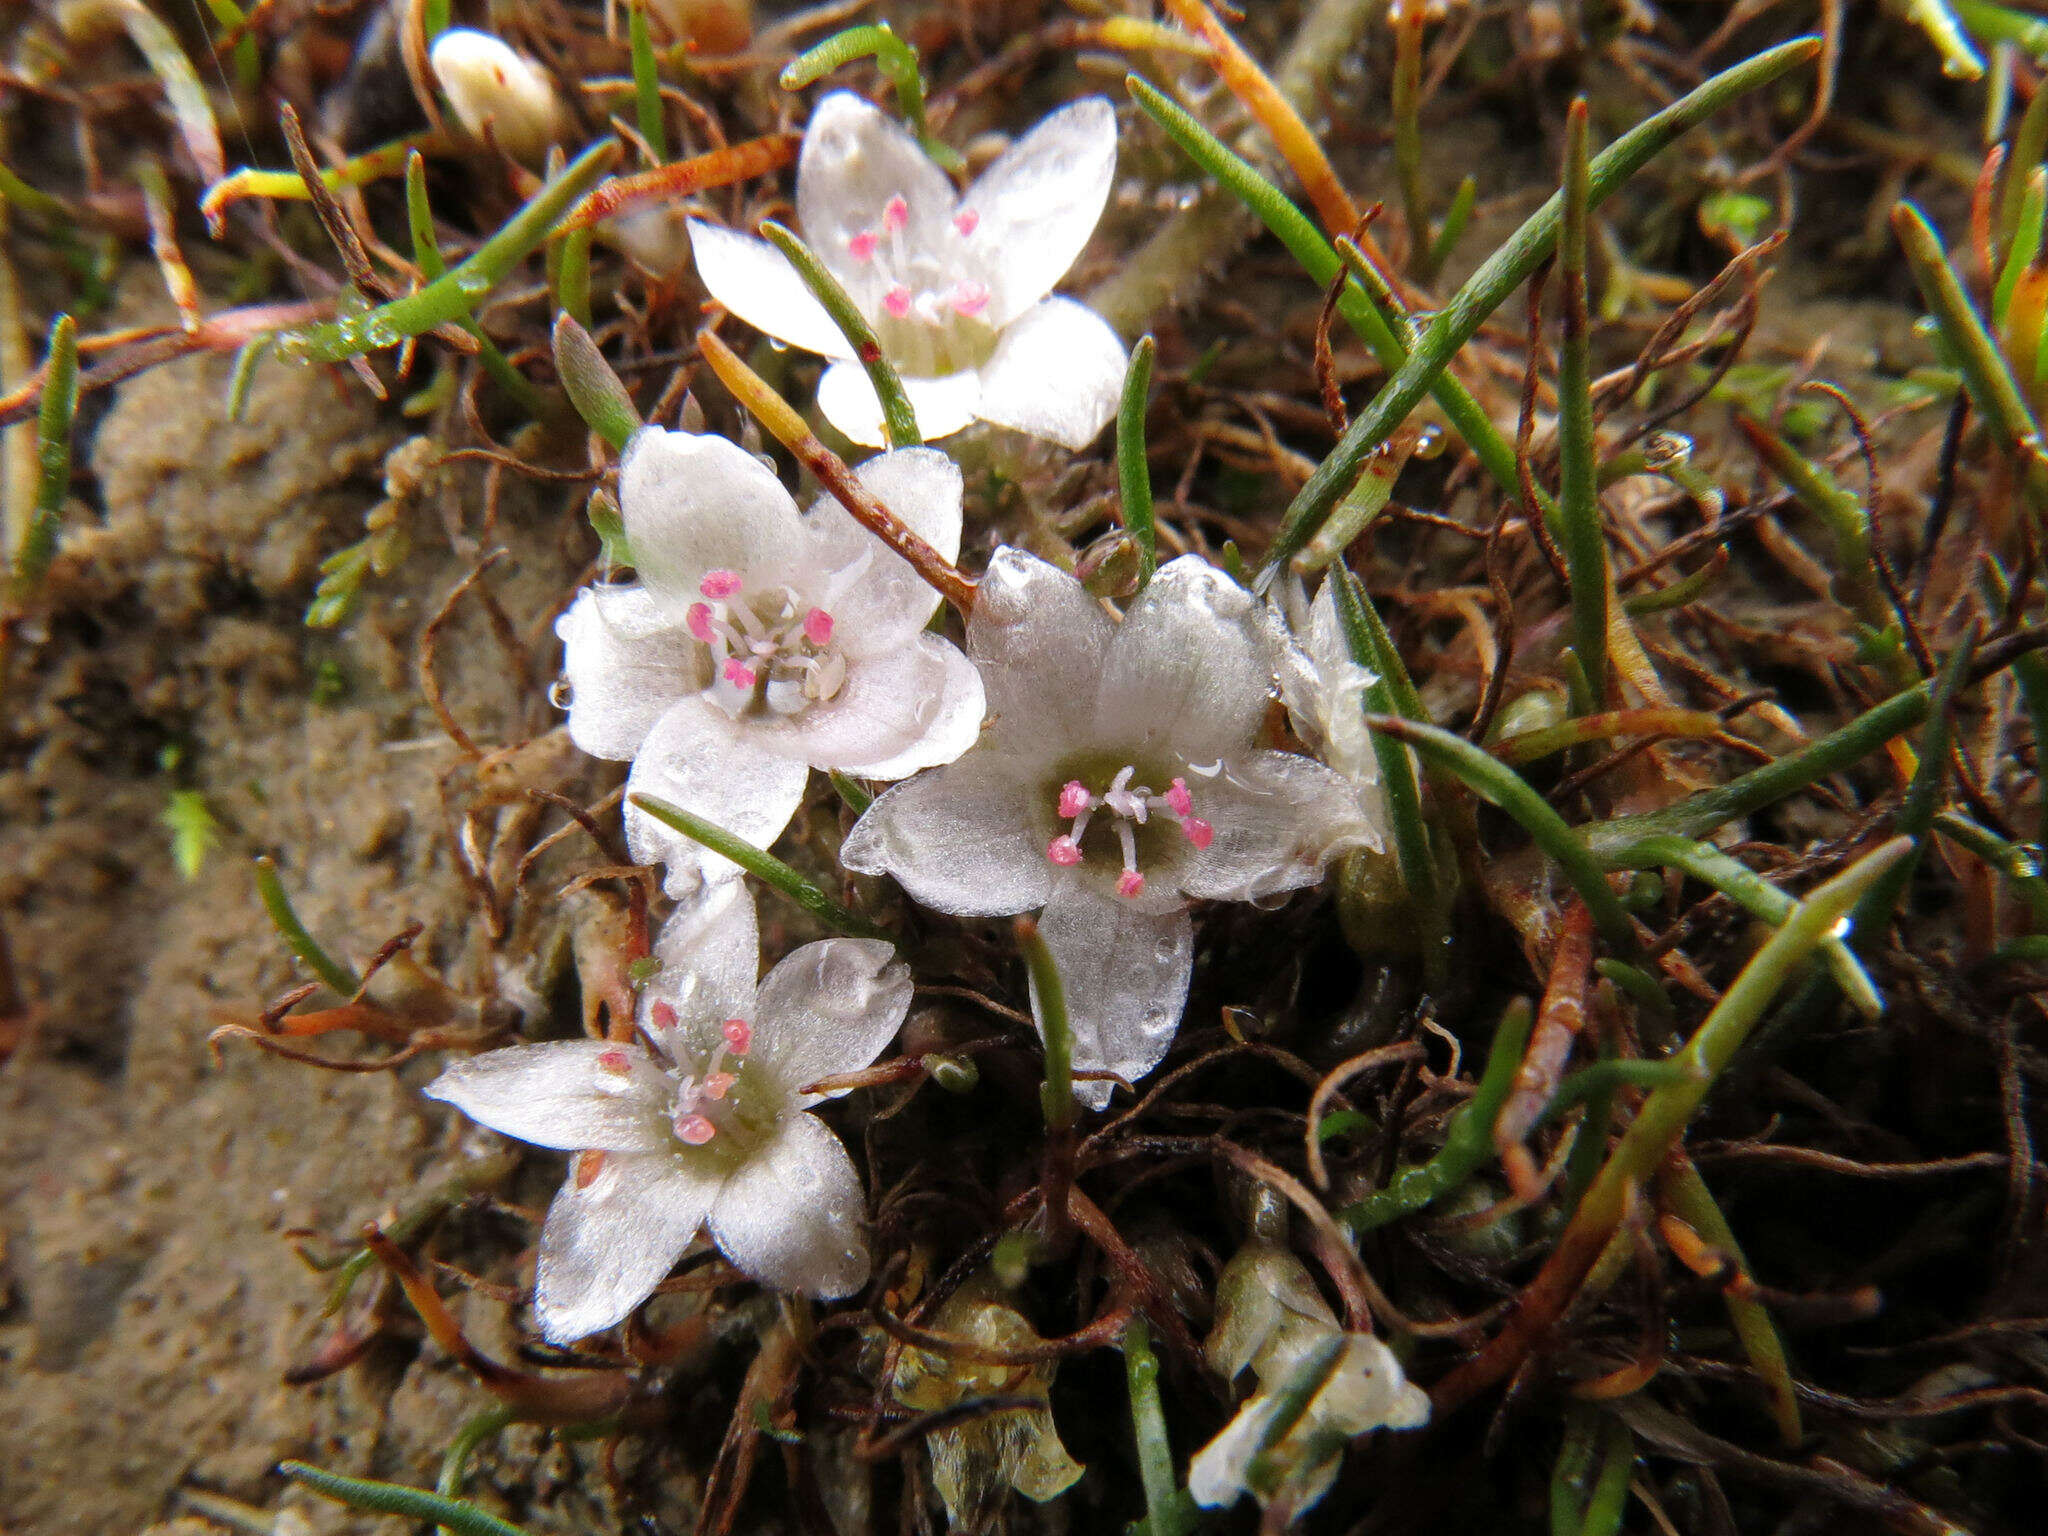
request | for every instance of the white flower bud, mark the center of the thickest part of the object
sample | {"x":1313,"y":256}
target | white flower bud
{"x":487,"y":83}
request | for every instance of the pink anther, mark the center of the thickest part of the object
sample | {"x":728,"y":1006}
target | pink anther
{"x":818,"y":627}
{"x":739,"y":1036}
{"x":718,"y":1085}
{"x":737,"y":672}
{"x":695,"y":1130}
{"x":719,"y":583}
{"x":897,"y":302}
{"x":862,"y":246}
{"x":1178,"y":800}
{"x":969,"y":298}
{"x":895,"y":213}
{"x":663,"y":1015}
{"x":698,"y":622}
{"x":585,"y":1168}
{"x":966,"y":220}
{"x":1063,"y":851}
{"x":1074,"y":799}
{"x":1129,"y":883}
{"x":1199,"y":832}
{"x":615,"y":1062}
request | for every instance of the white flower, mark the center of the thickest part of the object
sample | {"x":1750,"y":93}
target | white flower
{"x":489,"y":84}
{"x":1324,"y":690}
{"x":707,"y":1126}
{"x":1269,"y":1316}
{"x":955,"y":286}
{"x":761,"y":643}
{"x":1120,"y":776}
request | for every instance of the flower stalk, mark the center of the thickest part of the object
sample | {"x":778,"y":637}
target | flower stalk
{"x":1133,"y":469}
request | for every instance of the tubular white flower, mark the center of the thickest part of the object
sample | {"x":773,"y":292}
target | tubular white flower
{"x":1324,"y":690}
{"x":705,"y":1125}
{"x":488,"y":84}
{"x":1119,"y":777}
{"x":1269,"y":1316}
{"x":955,"y":285}
{"x":762,"y":643}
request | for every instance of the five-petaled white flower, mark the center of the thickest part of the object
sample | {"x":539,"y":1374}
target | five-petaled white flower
{"x":705,"y":1123}
{"x":954,"y":285}
{"x":761,"y":643}
{"x":1319,"y":1386}
{"x":1119,"y":777}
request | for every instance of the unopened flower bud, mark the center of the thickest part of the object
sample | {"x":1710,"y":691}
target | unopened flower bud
{"x":491,"y":87}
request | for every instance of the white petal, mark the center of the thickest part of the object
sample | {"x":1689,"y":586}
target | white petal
{"x":1216,"y":1475}
{"x":1188,"y":675}
{"x":1340,"y":704}
{"x":1057,"y":373}
{"x":855,"y":158}
{"x":606,"y":1246}
{"x":697,"y":758}
{"x":756,"y":282}
{"x":694,"y":503}
{"x":1040,"y":641}
{"x":790,"y":1216}
{"x":942,"y":405}
{"x":710,"y":953}
{"x":1126,"y":975}
{"x":1038,"y":203}
{"x":916,"y":707}
{"x":1368,"y":1390}
{"x":557,"y":1095}
{"x":829,"y":1008}
{"x":627,"y":659}
{"x":968,"y":838}
{"x":1279,"y":819}
{"x":877,"y":600}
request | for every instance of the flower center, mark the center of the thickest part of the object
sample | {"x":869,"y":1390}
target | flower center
{"x":1127,"y":806}
{"x":725,"y":1104}
{"x":933,"y":315}
{"x":771,"y":652}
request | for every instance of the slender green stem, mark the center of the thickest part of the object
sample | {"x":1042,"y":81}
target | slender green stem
{"x":486,"y":1425}
{"x":451,"y":296}
{"x":897,"y":61}
{"x":55,"y":413}
{"x":1686,"y":1194}
{"x":1569,"y":1472}
{"x":334,"y":975}
{"x":1599,"y":1081}
{"x":2025,"y":239}
{"x":1578,"y":495}
{"x":248,"y":59}
{"x":1496,"y":783}
{"x":1468,"y":1139}
{"x":1049,"y":1007}
{"x":1750,"y":891}
{"x":1133,"y":470}
{"x":1456,"y":217}
{"x":2029,"y":145}
{"x":857,"y":799}
{"x":1985,"y":372}
{"x":1319,"y":259}
{"x":1995,"y":24}
{"x":648,"y":114}
{"x":587,"y":379}
{"x":572,"y":274}
{"x":763,"y":866}
{"x":2031,"y":671}
{"x":1363,"y":638}
{"x":899,"y":421}
{"x":2019,"y":865}
{"x":1609,"y":1499}
{"x":1501,"y":273}
{"x":1407,"y":107}
{"x":1663,"y":1116}
{"x":1711,"y":808}
{"x":396,"y":1499}
{"x":1167,"y":1507}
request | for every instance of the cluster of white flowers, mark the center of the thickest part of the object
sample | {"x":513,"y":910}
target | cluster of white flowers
{"x":1103,"y":772}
